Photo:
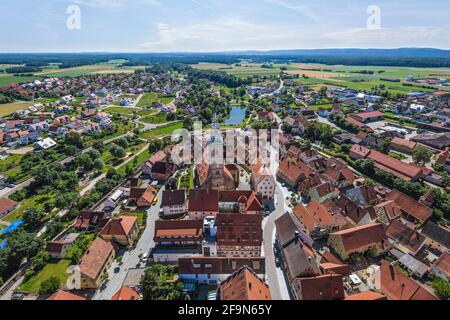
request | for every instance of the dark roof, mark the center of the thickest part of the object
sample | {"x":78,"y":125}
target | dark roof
{"x":239,"y":229}
{"x":299,"y":259}
{"x":325,"y":287}
{"x":219,"y":265}
{"x":286,"y":228}
{"x":173,"y":197}
{"x":437,"y":233}
{"x":203,"y":200}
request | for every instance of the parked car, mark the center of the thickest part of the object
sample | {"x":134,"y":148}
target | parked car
{"x":18,"y":296}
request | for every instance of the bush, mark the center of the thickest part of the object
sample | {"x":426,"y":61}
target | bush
{"x":442,"y":288}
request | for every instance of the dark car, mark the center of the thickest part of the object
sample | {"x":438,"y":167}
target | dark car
{"x":17,"y":296}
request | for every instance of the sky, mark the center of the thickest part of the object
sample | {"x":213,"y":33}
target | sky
{"x":220,"y":25}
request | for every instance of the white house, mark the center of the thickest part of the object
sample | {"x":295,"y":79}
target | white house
{"x":45,"y":144}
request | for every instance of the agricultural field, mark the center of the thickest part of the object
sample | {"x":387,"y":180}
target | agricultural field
{"x":7,"y":79}
{"x":363,"y":78}
{"x":8,"y":108}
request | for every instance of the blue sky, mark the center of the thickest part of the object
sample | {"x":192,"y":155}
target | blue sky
{"x":220,"y":25}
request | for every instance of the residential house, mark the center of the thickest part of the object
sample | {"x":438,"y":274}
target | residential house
{"x":95,"y":263}
{"x":6,"y":206}
{"x":358,"y":240}
{"x":441,"y":266}
{"x":143,"y":197}
{"x":263,"y":181}
{"x":174,"y":202}
{"x":126,"y":294}
{"x":122,"y":231}
{"x":162,"y":171}
{"x":160,"y":156}
{"x":411,"y":209}
{"x":244,"y":285}
{"x":58,"y":247}
{"x":357,"y":214}
{"x":214,"y":270}
{"x":61,"y":295}
{"x":317,"y":219}
{"x":386,"y":212}
{"x":292,"y":174}
{"x":203,"y":203}
{"x":403,"y":145}
{"x":438,"y":141}
{"x":322,"y":287}
{"x":404,"y":238}
{"x":437,"y":237}
{"x":398,"y":286}
{"x":177,"y":239}
{"x":323,"y":192}
{"x":239,"y":235}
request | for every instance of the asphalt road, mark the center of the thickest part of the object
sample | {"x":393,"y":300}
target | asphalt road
{"x":131,"y":258}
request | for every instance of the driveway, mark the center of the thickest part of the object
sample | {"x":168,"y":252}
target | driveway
{"x":131,"y":258}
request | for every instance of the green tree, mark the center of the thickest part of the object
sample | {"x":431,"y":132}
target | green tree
{"x":421,"y":155}
{"x":32,"y":217}
{"x":49,"y":286}
{"x":117,"y":152}
{"x":156,"y":284}
{"x":74,"y":139}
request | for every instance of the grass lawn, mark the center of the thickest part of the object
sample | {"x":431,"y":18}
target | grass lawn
{"x":147,"y":112}
{"x":148,"y":99}
{"x":161,"y":131}
{"x":121,"y":110}
{"x":155,"y":119}
{"x":8,"y":108}
{"x":34,"y":201}
{"x":52,"y":269}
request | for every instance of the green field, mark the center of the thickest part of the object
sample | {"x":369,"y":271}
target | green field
{"x":122,"y":110}
{"x":154,"y":119}
{"x":161,"y":131}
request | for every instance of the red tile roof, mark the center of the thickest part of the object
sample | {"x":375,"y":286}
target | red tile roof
{"x":203,"y":200}
{"x":369,"y":115}
{"x":324,"y":287}
{"x":368,"y":295}
{"x":404,"y":143}
{"x":443,"y":263}
{"x":405,"y":236}
{"x":6,"y":205}
{"x":363,"y":236}
{"x":166,"y":231}
{"x":65,"y":296}
{"x":244,"y":284}
{"x":239,"y":229}
{"x":95,"y":258}
{"x":119,"y":226}
{"x":410,"y":206}
{"x":398,"y":286}
{"x":125,"y":294}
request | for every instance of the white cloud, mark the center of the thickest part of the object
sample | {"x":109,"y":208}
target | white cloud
{"x":228,"y":33}
{"x":114,"y":3}
{"x":303,"y":9}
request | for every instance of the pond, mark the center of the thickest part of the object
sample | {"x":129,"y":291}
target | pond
{"x":237,"y":116}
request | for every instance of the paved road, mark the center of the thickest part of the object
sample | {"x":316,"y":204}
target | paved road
{"x":131,"y":258}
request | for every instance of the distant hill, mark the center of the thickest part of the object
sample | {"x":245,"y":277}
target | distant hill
{"x":404,"y":57}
